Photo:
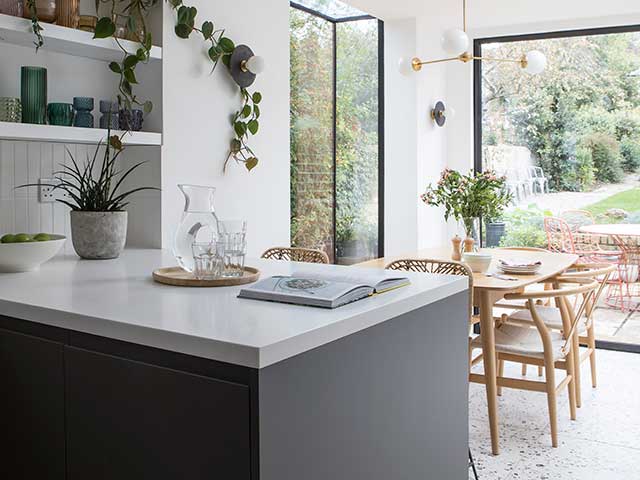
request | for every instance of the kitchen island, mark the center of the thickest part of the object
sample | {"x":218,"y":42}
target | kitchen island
{"x":108,"y":375}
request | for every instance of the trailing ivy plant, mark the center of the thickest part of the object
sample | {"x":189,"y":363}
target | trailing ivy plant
{"x":136,"y":11}
{"x":35,"y":24}
{"x":245,"y":121}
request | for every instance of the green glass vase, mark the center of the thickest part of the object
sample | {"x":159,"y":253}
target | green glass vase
{"x":33,"y":95}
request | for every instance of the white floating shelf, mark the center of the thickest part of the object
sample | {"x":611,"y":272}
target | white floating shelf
{"x":17,"y":31}
{"x":56,"y":134}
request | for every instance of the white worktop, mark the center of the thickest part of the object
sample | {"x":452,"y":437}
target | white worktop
{"x":118,"y":299}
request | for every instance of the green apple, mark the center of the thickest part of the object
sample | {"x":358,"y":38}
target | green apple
{"x":8,"y":238}
{"x":22,"y":238}
{"x":42,"y":237}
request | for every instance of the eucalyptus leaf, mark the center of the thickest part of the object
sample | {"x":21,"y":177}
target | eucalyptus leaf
{"x":104,"y":28}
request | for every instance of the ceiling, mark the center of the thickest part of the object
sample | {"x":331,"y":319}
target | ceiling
{"x":394,"y":9}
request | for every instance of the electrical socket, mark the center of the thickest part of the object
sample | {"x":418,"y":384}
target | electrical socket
{"x":47,"y":193}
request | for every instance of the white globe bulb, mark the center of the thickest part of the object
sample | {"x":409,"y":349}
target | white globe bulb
{"x":455,"y":41}
{"x":256,"y":64}
{"x":536,"y":62}
{"x":405,"y":66}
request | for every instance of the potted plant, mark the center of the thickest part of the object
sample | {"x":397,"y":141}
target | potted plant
{"x":467,"y":198}
{"x":93,"y":192}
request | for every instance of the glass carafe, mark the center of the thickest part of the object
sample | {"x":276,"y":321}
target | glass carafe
{"x":199,"y":223}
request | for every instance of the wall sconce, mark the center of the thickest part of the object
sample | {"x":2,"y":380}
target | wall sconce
{"x":439,"y":114}
{"x":244,"y":66}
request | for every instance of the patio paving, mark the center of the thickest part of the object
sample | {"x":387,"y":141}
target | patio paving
{"x":616,"y":326}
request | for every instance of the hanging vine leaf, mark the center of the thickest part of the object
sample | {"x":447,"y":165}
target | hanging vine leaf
{"x":115,"y":67}
{"x":183,"y":30}
{"x":207,"y":30}
{"x":104,"y":28}
{"x":226,"y":45}
{"x":251,"y":163}
{"x":253,"y":126}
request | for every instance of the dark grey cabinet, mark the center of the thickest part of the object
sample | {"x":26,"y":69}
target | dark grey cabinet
{"x":131,"y":420}
{"x":78,"y":407}
{"x":32,"y":423}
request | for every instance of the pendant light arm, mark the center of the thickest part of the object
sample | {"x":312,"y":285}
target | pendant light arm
{"x":464,"y":16}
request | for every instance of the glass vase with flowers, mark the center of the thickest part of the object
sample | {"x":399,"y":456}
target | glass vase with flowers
{"x":467,"y":198}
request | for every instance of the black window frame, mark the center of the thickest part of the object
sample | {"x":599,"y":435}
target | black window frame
{"x":478,"y":118}
{"x":381,"y":139}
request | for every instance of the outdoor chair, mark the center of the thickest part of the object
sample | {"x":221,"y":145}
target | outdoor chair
{"x":539,"y":179}
{"x":560,"y":238}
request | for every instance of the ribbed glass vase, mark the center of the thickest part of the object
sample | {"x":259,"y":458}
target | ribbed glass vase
{"x":33,"y":95}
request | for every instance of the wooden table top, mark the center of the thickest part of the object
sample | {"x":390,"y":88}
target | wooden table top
{"x":552,"y":265}
{"x":621,"y":229}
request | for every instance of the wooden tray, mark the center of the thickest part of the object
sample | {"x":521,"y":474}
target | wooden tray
{"x":176,"y":276}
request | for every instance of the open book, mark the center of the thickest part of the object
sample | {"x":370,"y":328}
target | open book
{"x":316,"y":289}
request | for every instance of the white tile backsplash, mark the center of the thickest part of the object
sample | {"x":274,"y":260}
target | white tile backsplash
{"x":27,"y":162}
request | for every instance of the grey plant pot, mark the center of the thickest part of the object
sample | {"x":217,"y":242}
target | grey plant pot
{"x":98,"y":235}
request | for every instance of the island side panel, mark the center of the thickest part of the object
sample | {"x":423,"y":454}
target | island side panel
{"x":389,"y":402}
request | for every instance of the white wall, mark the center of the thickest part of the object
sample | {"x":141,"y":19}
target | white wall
{"x":197,"y":107}
{"x":401,"y":148}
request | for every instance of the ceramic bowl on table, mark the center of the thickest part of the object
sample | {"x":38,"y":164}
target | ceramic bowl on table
{"x":28,"y":256}
{"x":477,"y":261}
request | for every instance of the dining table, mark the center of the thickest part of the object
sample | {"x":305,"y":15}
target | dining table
{"x":488,"y":289}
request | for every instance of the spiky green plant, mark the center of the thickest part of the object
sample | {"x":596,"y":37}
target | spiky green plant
{"x":89,"y":192}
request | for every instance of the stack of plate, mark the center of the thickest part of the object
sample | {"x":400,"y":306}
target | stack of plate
{"x":516,"y":267}
{"x":10,"y":110}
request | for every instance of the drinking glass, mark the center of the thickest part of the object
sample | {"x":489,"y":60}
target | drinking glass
{"x":207,"y":261}
{"x":232,"y":243}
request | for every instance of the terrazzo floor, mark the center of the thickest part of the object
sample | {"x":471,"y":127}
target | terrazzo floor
{"x":602,"y":444}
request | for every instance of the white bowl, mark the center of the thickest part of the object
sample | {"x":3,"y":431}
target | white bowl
{"x":477,"y":261}
{"x":28,"y":256}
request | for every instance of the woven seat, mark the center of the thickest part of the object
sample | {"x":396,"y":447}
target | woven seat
{"x":549,"y":315}
{"x":523,"y":340}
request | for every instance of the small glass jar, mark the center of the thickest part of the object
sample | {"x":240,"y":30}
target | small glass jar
{"x":207,"y":261}
{"x":232,"y":244}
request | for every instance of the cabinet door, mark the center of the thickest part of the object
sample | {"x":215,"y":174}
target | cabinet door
{"x":32,"y":435}
{"x":129,"y":420}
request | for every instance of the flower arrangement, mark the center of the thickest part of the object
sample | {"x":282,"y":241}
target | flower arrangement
{"x":467,"y":197}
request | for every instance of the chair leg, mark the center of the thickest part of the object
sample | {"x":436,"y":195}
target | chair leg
{"x":575,"y":351}
{"x":524,"y":369}
{"x":592,"y":357}
{"x":500,"y":374}
{"x":571,"y":386}
{"x":551,"y":400}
